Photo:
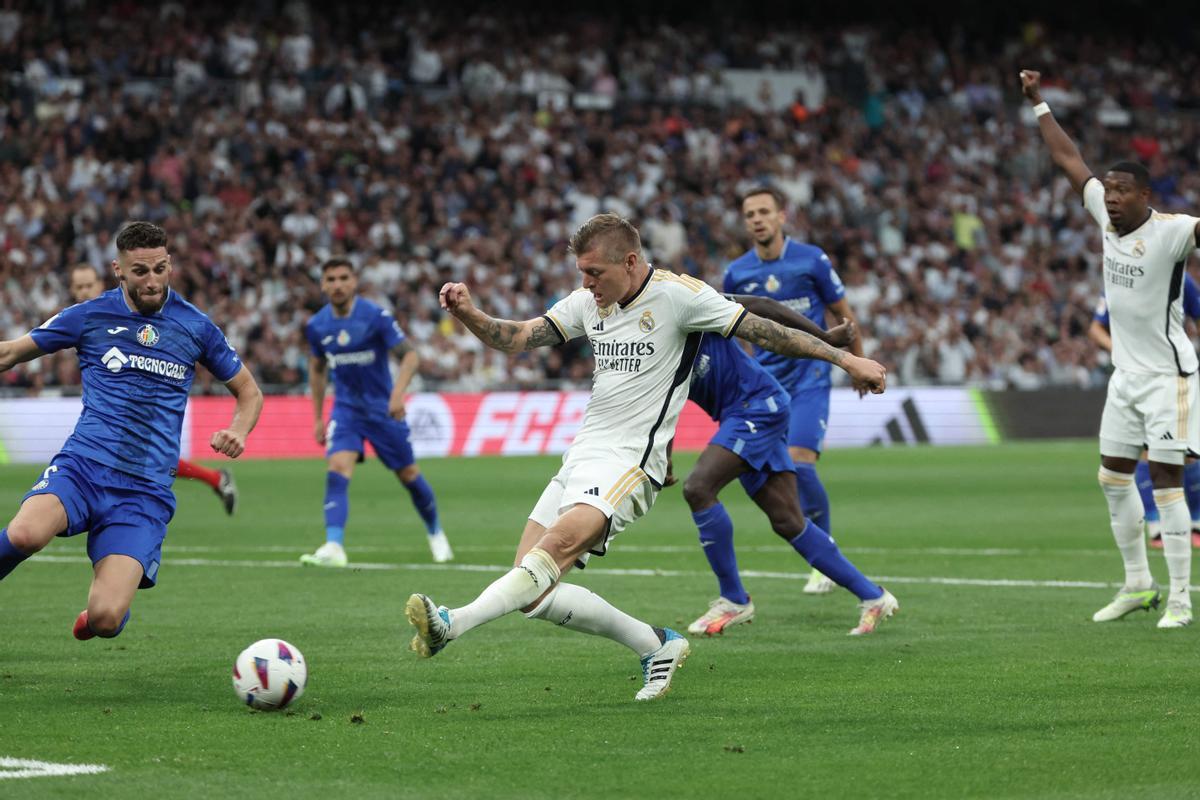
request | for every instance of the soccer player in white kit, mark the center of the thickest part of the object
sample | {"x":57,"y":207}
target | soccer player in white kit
{"x":1154,"y":388}
{"x":644,"y":326}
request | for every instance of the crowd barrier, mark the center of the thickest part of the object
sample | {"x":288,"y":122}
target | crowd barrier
{"x":514,"y":423}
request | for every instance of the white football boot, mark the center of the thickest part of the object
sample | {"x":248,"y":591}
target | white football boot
{"x":659,"y":667}
{"x":439,"y":545}
{"x":819,"y":583}
{"x":721,"y":614}
{"x":874,"y":612}
{"x":330,"y":554}
{"x":1128,"y":601}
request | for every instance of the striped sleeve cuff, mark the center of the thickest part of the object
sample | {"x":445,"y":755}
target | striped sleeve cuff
{"x":733,"y":325}
{"x":554,"y":326}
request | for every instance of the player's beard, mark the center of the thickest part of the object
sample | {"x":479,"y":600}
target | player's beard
{"x":147,"y":306}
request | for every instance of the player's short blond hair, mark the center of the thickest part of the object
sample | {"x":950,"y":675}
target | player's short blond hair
{"x":612,"y":232}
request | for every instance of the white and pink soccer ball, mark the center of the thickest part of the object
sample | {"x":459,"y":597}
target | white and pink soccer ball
{"x":269,"y":674}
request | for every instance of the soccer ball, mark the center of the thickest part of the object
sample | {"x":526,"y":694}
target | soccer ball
{"x":269,"y":674}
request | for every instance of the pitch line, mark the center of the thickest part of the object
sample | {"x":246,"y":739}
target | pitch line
{"x":985,"y":552}
{"x":620,"y":572}
{"x":28,"y":768}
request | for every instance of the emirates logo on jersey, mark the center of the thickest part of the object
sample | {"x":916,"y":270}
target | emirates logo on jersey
{"x":646,"y":323}
{"x":1139,"y":249}
{"x":772,"y":284}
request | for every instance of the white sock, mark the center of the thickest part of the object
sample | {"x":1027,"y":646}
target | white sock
{"x":1177,"y":540}
{"x":578,"y":609}
{"x":1125,"y":516}
{"x":518,"y":587}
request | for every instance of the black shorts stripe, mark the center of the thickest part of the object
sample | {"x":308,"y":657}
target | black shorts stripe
{"x":1173,"y":295}
{"x":682,"y":373}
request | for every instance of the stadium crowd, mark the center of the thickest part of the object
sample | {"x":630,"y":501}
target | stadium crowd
{"x":433,"y":146}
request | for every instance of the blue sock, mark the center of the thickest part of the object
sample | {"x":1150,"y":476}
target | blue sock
{"x":1145,"y":488}
{"x":819,"y":550}
{"x":1191,"y":488}
{"x":425,"y":503}
{"x":337,"y":506}
{"x":716,"y":537}
{"x":115,"y":633}
{"x":813,"y":499}
{"x":9,"y":555}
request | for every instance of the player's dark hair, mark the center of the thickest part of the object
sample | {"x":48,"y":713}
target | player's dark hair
{"x":775,"y":194}
{"x":139,"y":236}
{"x":1141,"y":175}
{"x":337,"y":261}
{"x":613,"y":232}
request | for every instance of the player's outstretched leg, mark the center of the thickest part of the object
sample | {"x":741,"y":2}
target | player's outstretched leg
{"x":116,"y":580}
{"x":425,"y":503}
{"x":337,"y":510}
{"x":661,"y":650}
{"x":10,"y":555}
{"x":818,"y":548}
{"x":38,"y":520}
{"x":1125,"y":517}
{"x":219,"y":480}
{"x":1177,"y":551}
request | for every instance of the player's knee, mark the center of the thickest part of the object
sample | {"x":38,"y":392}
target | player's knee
{"x":26,"y":537}
{"x":106,"y":620}
{"x":787,"y":523}
{"x":698,"y":494}
{"x":409,"y":474}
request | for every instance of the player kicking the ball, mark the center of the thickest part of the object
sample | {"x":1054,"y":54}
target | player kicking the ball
{"x":644,"y":326}
{"x":138,"y":346}
{"x":1153,"y":390}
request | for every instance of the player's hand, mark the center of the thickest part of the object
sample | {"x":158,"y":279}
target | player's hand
{"x":669,"y":479}
{"x":455,"y":297}
{"x":1031,"y":85}
{"x":228,"y":442}
{"x":396,"y":408}
{"x":866,"y":373}
{"x":319,"y":431}
{"x":842,"y":334}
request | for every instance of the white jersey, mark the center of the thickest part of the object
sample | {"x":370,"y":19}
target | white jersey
{"x":644,"y":350}
{"x":1143,"y":285}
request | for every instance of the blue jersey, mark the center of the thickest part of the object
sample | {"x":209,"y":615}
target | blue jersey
{"x":725,"y":378}
{"x":136,"y":372}
{"x":803,"y":279}
{"x":356,"y":349}
{"x":1191,"y":302}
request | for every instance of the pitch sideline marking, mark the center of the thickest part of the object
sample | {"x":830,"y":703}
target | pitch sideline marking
{"x":28,"y":768}
{"x":660,"y":573}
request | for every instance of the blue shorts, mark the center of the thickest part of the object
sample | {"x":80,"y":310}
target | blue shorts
{"x":122,"y":513}
{"x":347,"y":429}
{"x":758,"y":435}
{"x":810,"y":417}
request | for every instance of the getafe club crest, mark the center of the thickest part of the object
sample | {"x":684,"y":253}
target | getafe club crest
{"x":772,"y":284}
{"x":343,"y":337}
{"x":147,"y":336}
{"x":646,"y":323}
{"x":1139,"y":249}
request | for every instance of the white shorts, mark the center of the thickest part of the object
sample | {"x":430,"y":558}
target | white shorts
{"x":621,"y":490}
{"x":1154,"y":411}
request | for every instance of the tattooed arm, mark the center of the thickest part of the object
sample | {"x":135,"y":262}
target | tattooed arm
{"x":789,"y":342}
{"x":501,"y":334}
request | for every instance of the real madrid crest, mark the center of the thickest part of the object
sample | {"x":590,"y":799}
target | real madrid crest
{"x":646,"y":323}
{"x":147,"y":336}
{"x":772,"y":284}
{"x":343,"y":337}
{"x":1139,"y":249}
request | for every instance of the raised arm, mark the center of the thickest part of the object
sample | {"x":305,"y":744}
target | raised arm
{"x":789,"y":342}
{"x":500,"y":334}
{"x":18,"y":351}
{"x":1062,"y":149}
{"x":231,"y":441}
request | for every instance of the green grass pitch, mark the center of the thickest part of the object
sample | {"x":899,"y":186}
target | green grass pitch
{"x":991,"y":682}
